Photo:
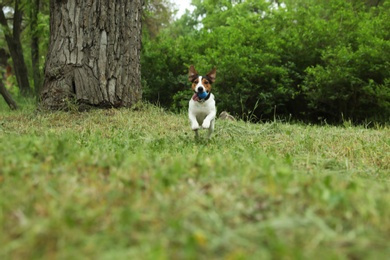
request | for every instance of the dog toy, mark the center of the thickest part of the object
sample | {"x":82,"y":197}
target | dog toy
{"x":202,"y":95}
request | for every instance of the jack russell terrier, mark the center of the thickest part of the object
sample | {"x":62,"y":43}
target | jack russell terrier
{"x":202,"y":108}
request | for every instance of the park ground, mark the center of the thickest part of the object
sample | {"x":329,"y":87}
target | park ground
{"x":134,"y":184}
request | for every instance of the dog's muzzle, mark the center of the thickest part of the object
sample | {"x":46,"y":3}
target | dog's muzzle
{"x":200,"y":89}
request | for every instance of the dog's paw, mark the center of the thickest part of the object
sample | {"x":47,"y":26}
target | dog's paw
{"x":206,"y":124}
{"x":195,"y":126}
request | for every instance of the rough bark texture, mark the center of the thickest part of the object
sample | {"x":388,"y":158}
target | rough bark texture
{"x":35,"y":6}
{"x":94,"y":53}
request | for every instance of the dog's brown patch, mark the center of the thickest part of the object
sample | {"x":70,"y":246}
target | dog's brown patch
{"x":207,"y":84}
{"x":212,"y":75}
{"x":192,"y":73}
{"x":194,"y":83}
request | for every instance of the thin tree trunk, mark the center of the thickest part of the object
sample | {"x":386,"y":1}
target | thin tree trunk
{"x":15,"y":48}
{"x":35,"y":46}
{"x":94,"y":53}
{"x":7,"y":96}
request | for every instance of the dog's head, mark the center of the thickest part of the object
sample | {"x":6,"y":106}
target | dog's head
{"x":201,"y":84}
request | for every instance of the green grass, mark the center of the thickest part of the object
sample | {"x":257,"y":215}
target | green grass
{"x":133,"y":184}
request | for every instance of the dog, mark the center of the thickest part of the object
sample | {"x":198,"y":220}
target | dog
{"x":202,"y":109}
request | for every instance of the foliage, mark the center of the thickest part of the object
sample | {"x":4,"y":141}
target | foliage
{"x":41,"y":30}
{"x":157,"y":14}
{"x":327,"y":60}
{"x":133,"y":184}
{"x":353,"y":75}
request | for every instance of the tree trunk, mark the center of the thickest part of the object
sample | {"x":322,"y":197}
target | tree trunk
{"x":94,"y":53}
{"x":7,"y":96}
{"x":35,"y":46}
{"x":15,"y":48}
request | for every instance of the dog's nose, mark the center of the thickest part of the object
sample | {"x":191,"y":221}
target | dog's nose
{"x":200,"y":89}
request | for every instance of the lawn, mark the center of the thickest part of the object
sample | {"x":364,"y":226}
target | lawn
{"x":134,"y":184}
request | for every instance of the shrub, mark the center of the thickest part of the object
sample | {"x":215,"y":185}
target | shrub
{"x":329,"y":60}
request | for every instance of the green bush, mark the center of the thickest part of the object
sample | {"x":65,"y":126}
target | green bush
{"x":327,"y":61}
{"x":352,"y":79}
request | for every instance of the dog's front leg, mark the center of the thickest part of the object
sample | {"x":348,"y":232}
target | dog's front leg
{"x":208,"y":120}
{"x":194,"y":123}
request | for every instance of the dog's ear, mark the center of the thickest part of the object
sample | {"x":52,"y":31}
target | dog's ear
{"x":212,"y":74}
{"x":192,"y":74}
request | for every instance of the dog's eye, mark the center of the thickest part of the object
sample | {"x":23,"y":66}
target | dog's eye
{"x":196,"y":81}
{"x":206,"y":82}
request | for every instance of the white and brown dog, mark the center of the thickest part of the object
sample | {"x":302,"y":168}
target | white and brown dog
{"x":202,"y":108}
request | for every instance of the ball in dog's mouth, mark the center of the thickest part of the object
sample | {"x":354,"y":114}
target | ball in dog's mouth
{"x":202,"y":95}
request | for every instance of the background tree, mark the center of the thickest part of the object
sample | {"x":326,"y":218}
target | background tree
{"x":35,"y":51}
{"x":94,"y":54}
{"x":12,"y":35}
{"x":7,"y":96}
{"x":5,"y":69}
{"x":157,"y":14}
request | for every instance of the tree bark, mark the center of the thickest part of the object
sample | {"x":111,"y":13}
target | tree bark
{"x":35,"y":6}
{"x":7,"y":96}
{"x":15,"y":48}
{"x":94,"y":53}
